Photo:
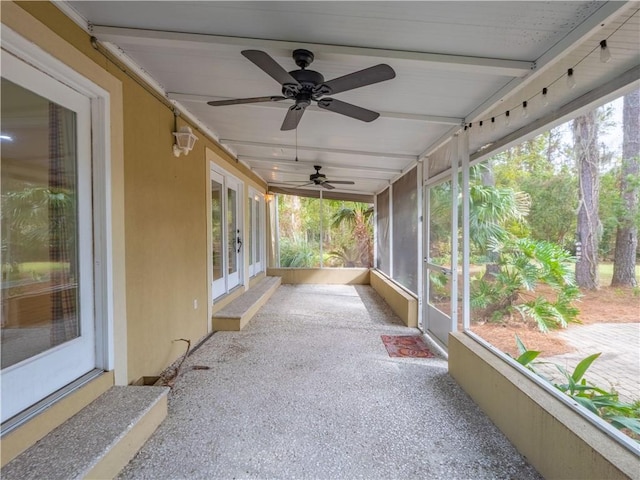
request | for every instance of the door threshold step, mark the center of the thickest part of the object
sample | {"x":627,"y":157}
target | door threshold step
{"x":237,"y":314}
{"x":98,"y":441}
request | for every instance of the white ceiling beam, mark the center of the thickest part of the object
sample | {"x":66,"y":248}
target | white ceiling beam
{"x":305,"y":175}
{"x":191,"y":41}
{"x":275,"y":161}
{"x":338,"y":189}
{"x":400,"y":156}
{"x":190,"y":98}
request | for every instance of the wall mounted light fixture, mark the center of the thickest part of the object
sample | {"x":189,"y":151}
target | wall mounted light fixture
{"x":185,"y":140}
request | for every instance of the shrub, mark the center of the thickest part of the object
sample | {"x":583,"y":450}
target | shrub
{"x":524,"y":264}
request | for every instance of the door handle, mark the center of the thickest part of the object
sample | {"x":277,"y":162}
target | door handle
{"x":238,"y":242}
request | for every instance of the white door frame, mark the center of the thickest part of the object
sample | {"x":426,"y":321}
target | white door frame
{"x":36,"y":70}
{"x":257,"y":224}
{"x":435,"y":321}
{"x":229,"y":280}
{"x":234,"y":239}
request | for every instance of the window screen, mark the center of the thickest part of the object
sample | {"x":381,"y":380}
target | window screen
{"x":382,"y":225}
{"x":405,"y":231}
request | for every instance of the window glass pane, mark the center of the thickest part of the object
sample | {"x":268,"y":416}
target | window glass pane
{"x":40,"y":301}
{"x":299,"y":229}
{"x":382,"y":226}
{"x":348,"y":234}
{"x":405,"y":231}
{"x":554,"y":252}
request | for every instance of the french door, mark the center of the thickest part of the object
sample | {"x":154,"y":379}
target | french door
{"x":441,"y":260}
{"x":48,"y":322}
{"x":226,"y":232}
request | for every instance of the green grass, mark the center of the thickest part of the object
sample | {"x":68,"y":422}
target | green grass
{"x":605,"y":270}
{"x":42,"y":267}
{"x":36,"y":269}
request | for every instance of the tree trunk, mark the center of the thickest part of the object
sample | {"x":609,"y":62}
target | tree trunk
{"x":585,"y":137}
{"x":491,"y":268}
{"x":624,"y":263}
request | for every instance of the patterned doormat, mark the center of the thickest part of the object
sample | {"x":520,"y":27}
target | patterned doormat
{"x":406,"y":346}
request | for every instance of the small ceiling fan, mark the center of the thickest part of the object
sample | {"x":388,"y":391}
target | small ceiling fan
{"x":304,"y":86}
{"x":321,"y":180}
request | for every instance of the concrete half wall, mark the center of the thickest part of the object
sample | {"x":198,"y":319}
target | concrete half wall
{"x":336,"y":276}
{"x":555,"y":439}
{"x":401,"y":302}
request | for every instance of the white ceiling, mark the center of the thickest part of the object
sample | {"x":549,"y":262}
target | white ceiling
{"x":455,"y":62}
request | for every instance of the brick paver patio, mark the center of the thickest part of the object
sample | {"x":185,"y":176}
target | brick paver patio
{"x":619,"y":365}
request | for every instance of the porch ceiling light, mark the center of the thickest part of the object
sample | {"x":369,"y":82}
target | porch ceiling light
{"x":185,"y":140}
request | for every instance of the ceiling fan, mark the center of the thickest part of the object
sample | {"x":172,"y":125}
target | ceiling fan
{"x":304,"y":86}
{"x":321,"y":180}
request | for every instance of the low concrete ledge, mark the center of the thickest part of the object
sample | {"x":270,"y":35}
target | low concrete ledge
{"x":402,"y":303}
{"x":237,"y":314}
{"x":98,"y":441}
{"x":322,"y":276}
{"x":555,"y":439}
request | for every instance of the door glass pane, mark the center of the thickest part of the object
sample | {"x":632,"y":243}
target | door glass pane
{"x":216,"y":229}
{"x":251,"y":229}
{"x":258,"y":224}
{"x":440,"y":245}
{"x":40,"y":301}
{"x":232,"y":229}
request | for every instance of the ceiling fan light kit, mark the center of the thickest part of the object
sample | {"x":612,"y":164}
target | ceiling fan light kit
{"x":305,"y":86}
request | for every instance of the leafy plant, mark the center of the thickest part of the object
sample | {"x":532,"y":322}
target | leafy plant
{"x":525,"y":356}
{"x":348,"y":256}
{"x":523,"y":265}
{"x":358,"y":219}
{"x":606,"y":404}
{"x":296,"y":254}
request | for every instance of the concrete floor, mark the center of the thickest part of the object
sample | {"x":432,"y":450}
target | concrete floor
{"x":308,"y":391}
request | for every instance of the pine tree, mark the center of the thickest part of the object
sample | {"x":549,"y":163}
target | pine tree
{"x":585,"y":137}
{"x":627,"y":233}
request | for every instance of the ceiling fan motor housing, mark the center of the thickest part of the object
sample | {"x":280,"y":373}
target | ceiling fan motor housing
{"x":317,"y":178}
{"x":308,"y":80}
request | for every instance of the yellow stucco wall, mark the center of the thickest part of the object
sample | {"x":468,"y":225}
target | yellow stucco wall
{"x":165,"y":249}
